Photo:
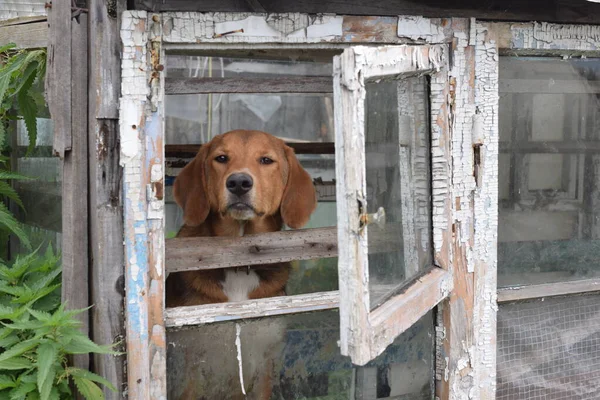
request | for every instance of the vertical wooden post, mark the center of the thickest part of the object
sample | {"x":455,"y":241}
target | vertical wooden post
{"x":467,"y":328}
{"x":142,"y":158}
{"x":67,"y":98}
{"x":105,"y":175}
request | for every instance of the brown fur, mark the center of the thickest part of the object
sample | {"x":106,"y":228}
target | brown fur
{"x":282,"y":192}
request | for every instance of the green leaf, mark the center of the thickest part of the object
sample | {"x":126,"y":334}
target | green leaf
{"x":47,"y":354}
{"x":80,"y":344}
{"x":12,"y":225}
{"x":9,"y":341}
{"x":88,"y":389}
{"x":6,"y":382}
{"x":82,"y":373}
{"x":40,"y":315}
{"x":19,"y":349}
{"x":28,"y":110}
{"x":4,"y":48}
{"x":21,"y":391}
{"x":4,"y":82}
{"x":15,"y":363}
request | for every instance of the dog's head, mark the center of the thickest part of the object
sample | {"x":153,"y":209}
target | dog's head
{"x":245,"y":175}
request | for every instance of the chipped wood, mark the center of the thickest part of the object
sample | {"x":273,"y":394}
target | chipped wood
{"x":198,"y":315}
{"x":351,"y":70}
{"x":141,"y":137}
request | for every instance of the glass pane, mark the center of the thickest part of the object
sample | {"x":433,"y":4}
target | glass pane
{"x":549,"y":202}
{"x":398,"y":180}
{"x":295,"y":357}
{"x":549,"y":349}
{"x":294,"y":117}
{"x":300,"y":117}
{"x":41,"y":196}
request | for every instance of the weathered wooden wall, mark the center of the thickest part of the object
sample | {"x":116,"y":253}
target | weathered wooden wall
{"x":105,"y":178}
{"x":564,"y":11}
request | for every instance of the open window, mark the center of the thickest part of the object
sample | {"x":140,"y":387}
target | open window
{"x":391,"y":270}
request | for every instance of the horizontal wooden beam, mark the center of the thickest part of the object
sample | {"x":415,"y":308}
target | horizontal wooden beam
{"x":190,"y":150}
{"x":292,"y":84}
{"x":187,"y":254}
{"x":564,"y":11}
{"x":399,"y":313}
{"x":198,"y":315}
{"x":572,"y":146}
{"x":25,"y":35}
{"x":509,"y":294}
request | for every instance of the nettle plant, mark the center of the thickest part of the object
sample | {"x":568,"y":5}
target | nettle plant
{"x":37,"y":334}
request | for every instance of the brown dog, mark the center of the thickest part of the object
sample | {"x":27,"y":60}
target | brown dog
{"x":241,"y":182}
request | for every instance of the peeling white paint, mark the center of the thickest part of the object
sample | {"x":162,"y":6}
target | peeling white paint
{"x":415,"y":27}
{"x":179,"y":27}
{"x":542,"y":35}
{"x":238,"y":346}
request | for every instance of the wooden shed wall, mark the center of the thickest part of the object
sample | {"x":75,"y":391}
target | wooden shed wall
{"x":563,"y":11}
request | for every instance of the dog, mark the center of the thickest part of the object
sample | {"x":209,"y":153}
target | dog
{"x":241,"y":182}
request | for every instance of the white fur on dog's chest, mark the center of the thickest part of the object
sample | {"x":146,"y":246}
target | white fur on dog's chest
{"x":238,"y":285}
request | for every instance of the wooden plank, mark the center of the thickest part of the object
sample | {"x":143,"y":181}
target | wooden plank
{"x":190,"y":150}
{"x":187,"y":254}
{"x":59,"y":74}
{"x":564,"y":11}
{"x":457,"y":325}
{"x":552,"y":147}
{"x":205,"y":314}
{"x":106,"y":208}
{"x":75,"y":261}
{"x":538,"y":291}
{"x":141,"y":138}
{"x":291,"y":84}
{"x":25,"y":36}
{"x":403,"y":310}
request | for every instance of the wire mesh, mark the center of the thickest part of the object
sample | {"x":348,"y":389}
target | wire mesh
{"x":549,"y":349}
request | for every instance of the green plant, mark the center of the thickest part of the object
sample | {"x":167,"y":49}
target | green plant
{"x":19,"y":71}
{"x":38,"y":335}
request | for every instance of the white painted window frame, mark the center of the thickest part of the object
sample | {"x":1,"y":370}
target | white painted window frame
{"x":365,"y":333}
{"x":541,"y":39}
{"x":145,"y":38}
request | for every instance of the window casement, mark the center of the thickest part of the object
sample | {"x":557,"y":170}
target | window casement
{"x":382,"y":105}
{"x":396,"y":237}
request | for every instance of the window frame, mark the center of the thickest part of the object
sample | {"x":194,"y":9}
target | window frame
{"x":366,"y":332}
{"x":551,"y":40}
{"x":142,"y":129}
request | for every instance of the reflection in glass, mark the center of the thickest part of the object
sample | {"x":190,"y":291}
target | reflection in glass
{"x":549,"y":170}
{"x":398,"y":179}
{"x":294,"y":357}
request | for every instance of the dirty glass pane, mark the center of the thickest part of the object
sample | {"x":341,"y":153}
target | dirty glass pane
{"x":549,"y":349}
{"x":294,"y":357}
{"x":549,"y":170}
{"x":398,"y":180}
{"x":294,"y":117}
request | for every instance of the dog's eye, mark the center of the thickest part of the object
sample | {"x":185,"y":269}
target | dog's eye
{"x":221,"y":159}
{"x":266,"y":160}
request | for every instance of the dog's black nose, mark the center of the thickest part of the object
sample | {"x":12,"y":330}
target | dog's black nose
{"x":239,"y":184}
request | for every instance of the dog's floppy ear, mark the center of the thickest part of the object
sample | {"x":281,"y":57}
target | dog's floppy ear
{"x":299,"y":197}
{"x":189,"y":190}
